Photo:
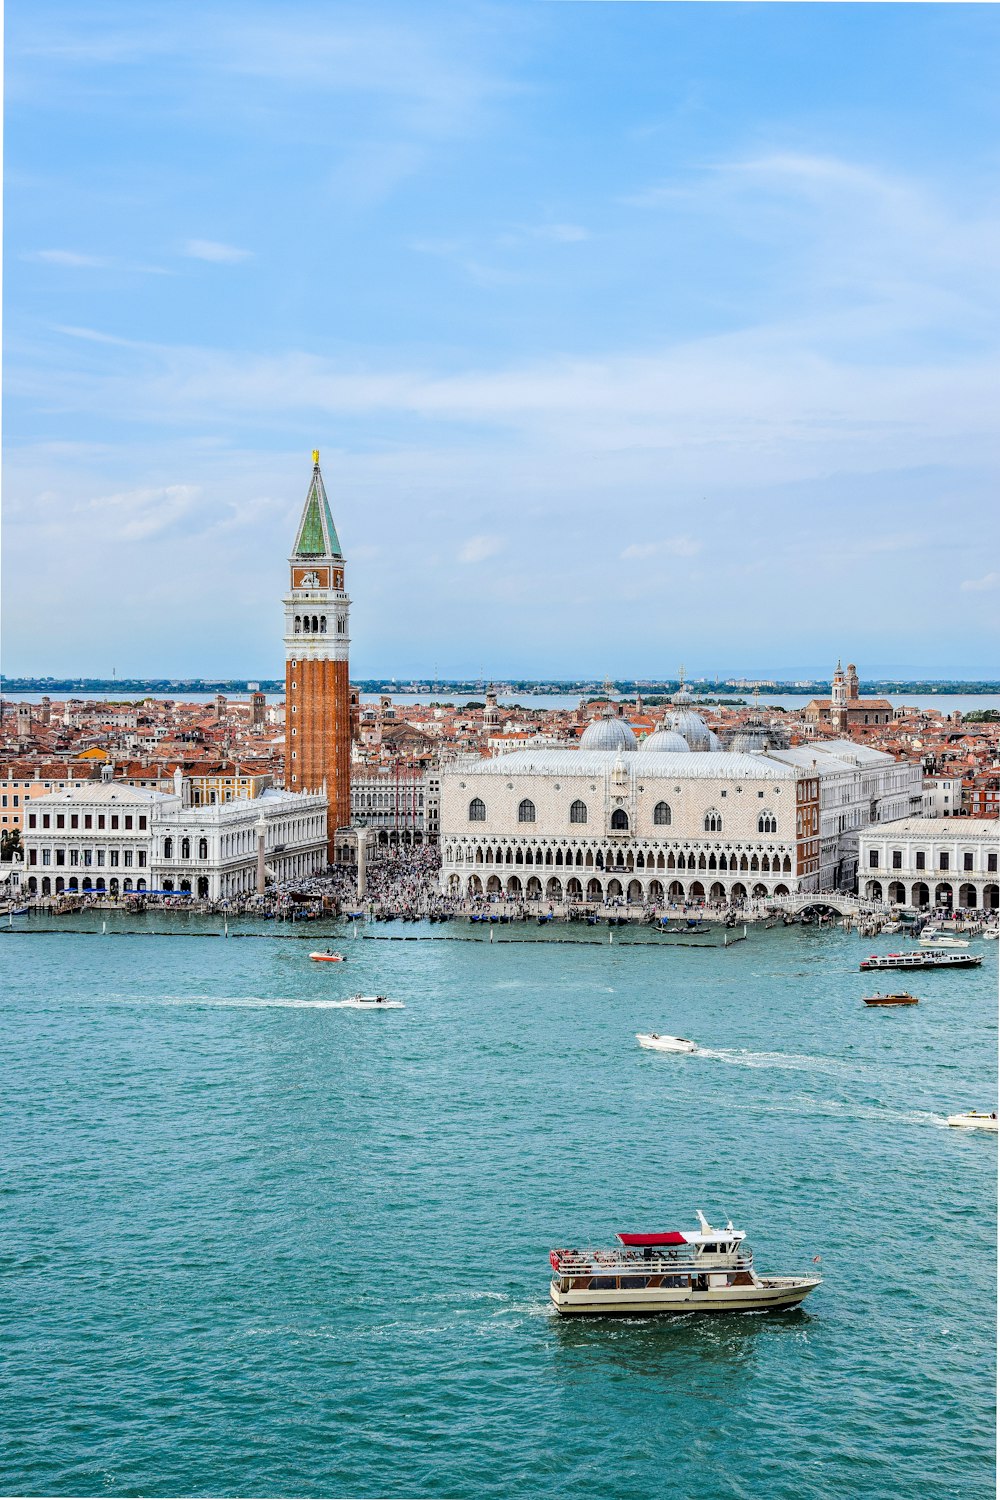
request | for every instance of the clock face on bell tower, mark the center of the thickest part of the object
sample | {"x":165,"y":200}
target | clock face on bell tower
{"x":317,"y":643}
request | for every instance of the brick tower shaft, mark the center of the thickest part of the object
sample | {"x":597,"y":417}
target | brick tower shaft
{"x":317,"y":644}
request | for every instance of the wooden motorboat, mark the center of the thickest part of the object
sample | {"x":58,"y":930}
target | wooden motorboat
{"x":899,"y":998}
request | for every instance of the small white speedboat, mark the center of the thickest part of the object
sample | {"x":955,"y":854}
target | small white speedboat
{"x":373,"y":1002}
{"x":941,"y":940}
{"x":974,"y":1119}
{"x":657,"y":1043}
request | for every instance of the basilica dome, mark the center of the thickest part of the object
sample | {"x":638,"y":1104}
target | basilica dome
{"x":608,"y":733}
{"x":665,"y":739}
{"x":692,"y":728}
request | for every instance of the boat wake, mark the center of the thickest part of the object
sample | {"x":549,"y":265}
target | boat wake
{"x":237,"y":1002}
{"x":741,"y":1057}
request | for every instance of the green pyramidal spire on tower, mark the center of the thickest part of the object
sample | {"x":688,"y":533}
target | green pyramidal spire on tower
{"x":317,"y":535}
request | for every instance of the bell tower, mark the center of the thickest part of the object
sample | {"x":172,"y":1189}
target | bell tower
{"x":317,"y":642}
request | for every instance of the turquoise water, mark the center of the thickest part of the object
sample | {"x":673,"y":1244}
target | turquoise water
{"x":257,"y":1245}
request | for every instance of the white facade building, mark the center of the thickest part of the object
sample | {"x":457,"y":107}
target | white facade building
{"x":111,"y":839}
{"x":939,"y":862}
{"x":96,"y":838}
{"x":942,"y":796}
{"x":220,"y":851}
{"x":393,"y":802}
{"x":859,"y":786}
{"x":595,"y":825}
{"x":658,"y":824}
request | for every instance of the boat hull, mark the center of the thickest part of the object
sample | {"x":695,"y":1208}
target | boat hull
{"x":769,"y":1294}
{"x":973,"y":1122}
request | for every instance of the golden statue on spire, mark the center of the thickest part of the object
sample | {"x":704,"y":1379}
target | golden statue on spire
{"x":316,"y":458}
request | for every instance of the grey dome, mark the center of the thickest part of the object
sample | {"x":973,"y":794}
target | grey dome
{"x":608,"y":733}
{"x":750,"y":738}
{"x":666,"y":739}
{"x":692,"y":728}
{"x":682,"y":697}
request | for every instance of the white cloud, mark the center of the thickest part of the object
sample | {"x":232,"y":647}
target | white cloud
{"x":138,"y":515}
{"x":478,"y":548}
{"x":214,"y":250}
{"x":563,"y":234}
{"x":66,"y":258}
{"x":980,"y":585}
{"x":678,"y":546}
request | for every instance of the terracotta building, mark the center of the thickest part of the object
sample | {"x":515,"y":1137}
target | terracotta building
{"x":844,"y":709}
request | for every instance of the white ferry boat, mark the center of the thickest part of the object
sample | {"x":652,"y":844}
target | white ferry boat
{"x":922,"y":958}
{"x":707,"y":1270}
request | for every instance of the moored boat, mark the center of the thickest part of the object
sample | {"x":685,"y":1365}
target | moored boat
{"x":898,"y":998}
{"x":941,"y":940}
{"x":921,"y":958}
{"x":658,"y":1043}
{"x":974,"y":1119}
{"x":705,"y":1270}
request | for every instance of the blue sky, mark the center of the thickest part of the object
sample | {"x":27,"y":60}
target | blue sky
{"x":630,"y":334}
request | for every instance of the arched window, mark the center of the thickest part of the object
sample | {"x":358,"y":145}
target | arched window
{"x":185,"y":848}
{"x":578,"y":811}
{"x":298,"y":624}
{"x":322,"y":624}
{"x":662,"y":814}
{"x":168,"y":848}
{"x":203,"y":848}
{"x":767,"y":823}
{"x":526,"y":811}
{"x":477,"y":810}
{"x":619,"y":819}
{"x":713,"y":821}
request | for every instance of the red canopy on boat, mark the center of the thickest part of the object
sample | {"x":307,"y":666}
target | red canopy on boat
{"x":672,"y":1238}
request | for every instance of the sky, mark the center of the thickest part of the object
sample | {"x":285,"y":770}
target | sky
{"x":630,"y":335}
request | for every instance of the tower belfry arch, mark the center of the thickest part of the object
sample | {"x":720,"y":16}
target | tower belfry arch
{"x":317,"y":647}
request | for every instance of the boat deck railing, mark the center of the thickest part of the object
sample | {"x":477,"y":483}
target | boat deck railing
{"x":612,"y":1262}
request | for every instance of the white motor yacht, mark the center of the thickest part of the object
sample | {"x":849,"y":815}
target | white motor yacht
{"x":942,"y":940}
{"x":657,"y":1043}
{"x":708,"y":1270}
{"x":974,"y":1119}
{"x":373,"y":1002}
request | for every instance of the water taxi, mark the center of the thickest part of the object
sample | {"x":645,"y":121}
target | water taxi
{"x":942,"y":940}
{"x":924,"y":958}
{"x":657,"y":1043}
{"x":900,"y":997}
{"x":705,"y":1270}
{"x":327,"y":958}
{"x":974,"y":1119}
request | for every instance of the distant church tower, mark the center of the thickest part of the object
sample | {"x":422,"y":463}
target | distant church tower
{"x":838,"y":698}
{"x":317,"y":691}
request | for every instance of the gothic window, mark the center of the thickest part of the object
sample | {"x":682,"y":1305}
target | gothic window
{"x":526,"y":811}
{"x":578,"y":812}
{"x":767,"y":823}
{"x":662,"y":814}
{"x":477,"y":810}
{"x":713,"y":821}
{"x":619,"y":819}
